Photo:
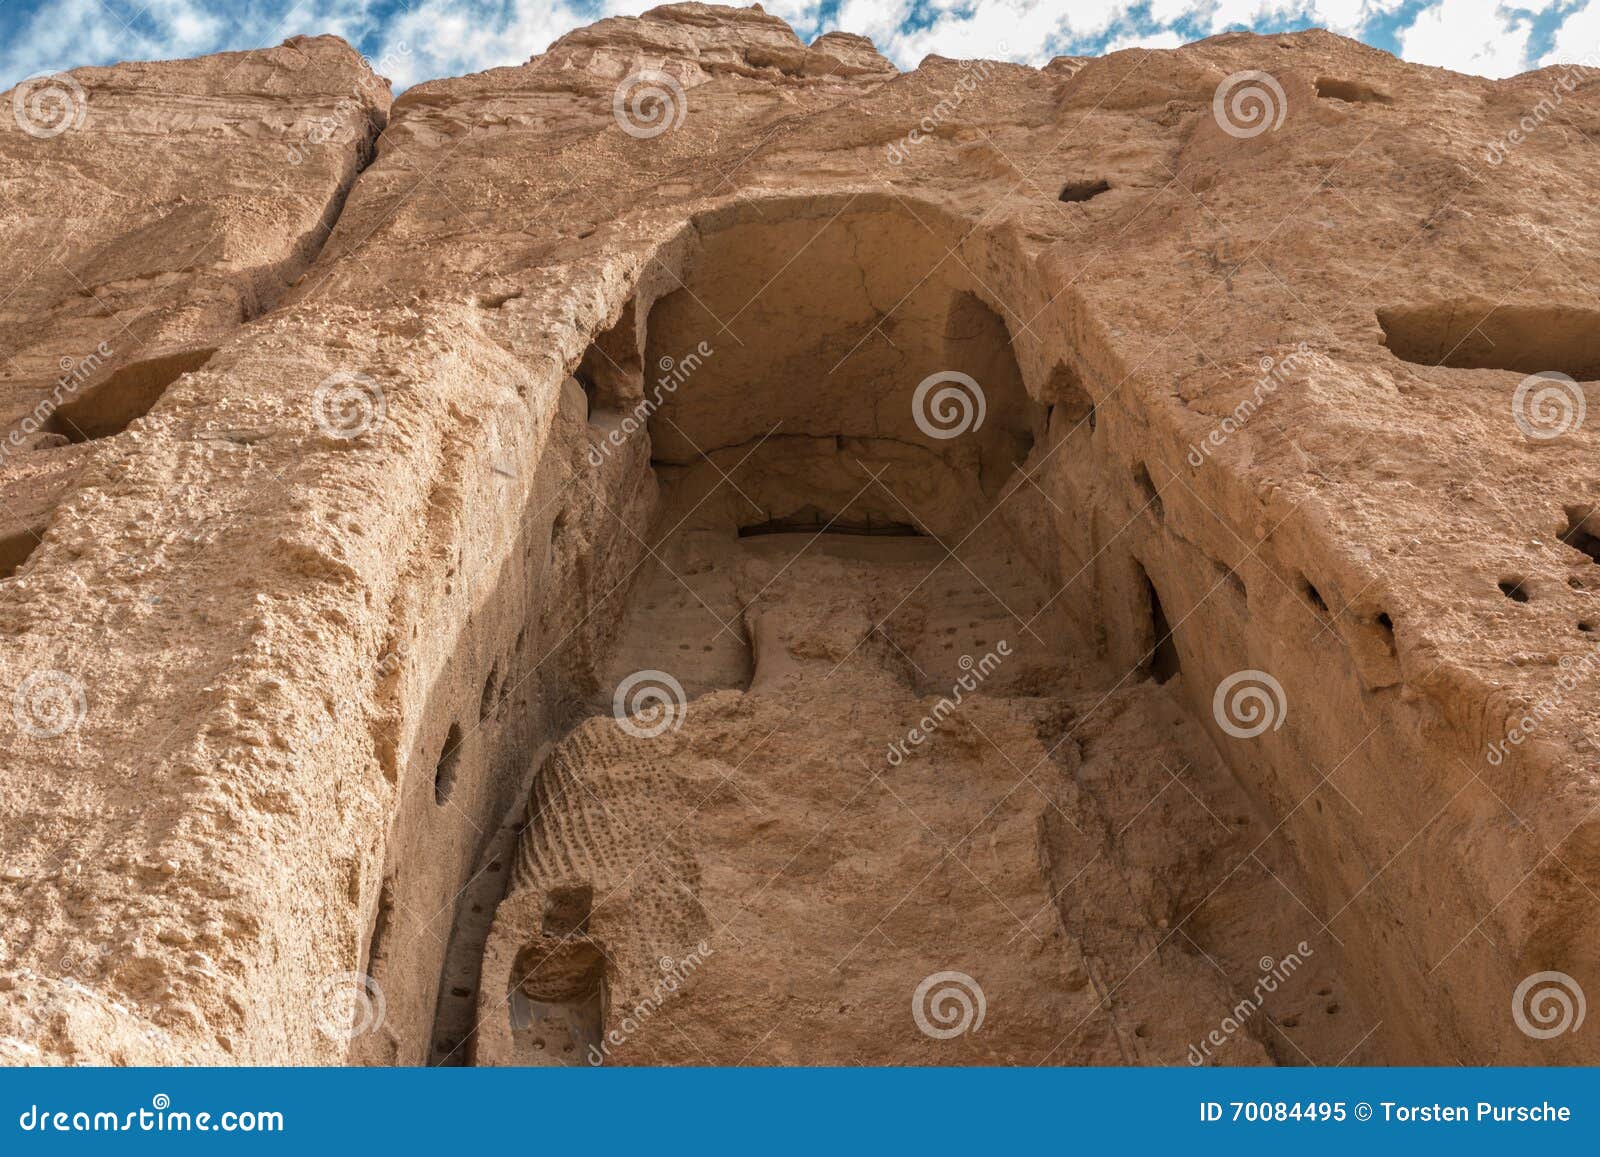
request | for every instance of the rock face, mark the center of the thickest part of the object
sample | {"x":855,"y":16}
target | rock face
{"x":706,"y":549}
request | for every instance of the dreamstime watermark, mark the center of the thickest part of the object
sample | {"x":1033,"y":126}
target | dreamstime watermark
{"x":674,"y":975}
{"x":974,"y":73}
{"x":48,"y":104}
{"x":49,"y":703}
{"x":1496,"y":152}
{"x":674,"y":372}
{"x":1249,"y":703}
{"x":1547,"y":1004}
{"x":1273,"y":375}
{"x":160,"y":1117}
{"x":1548,"y":405}
{"x":1574,"y":672}
{"x":347,"y":405}
{"x":347,"y":1005}
{"x":75,"y":374}
{"x":947,"y":1005}
{"x":648,"y":704}
{"x":947,"y":404}
{"x":339,"y":125}
{"x":648,"y":103}
{"x":1249,"y":103}
{"x":1273,"y":974}
{"x":977,"y":672}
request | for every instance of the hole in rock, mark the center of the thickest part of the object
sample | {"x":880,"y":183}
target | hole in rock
{"x":558,"y":997}
{"x":813,"y":521}
{"x":1147,"y":489}
{"x":1583,"y":530}
{"x":496,"y":300}
{"x":809,"y":421}
{"x":611,"y":371}
{"x":567,"y":908}
{"x":1072,"y":405}
{"x":382,"y":924}
{"x":1514,"y":589}
{"x":15,"y":549}
{"x":491,"y":687}
{"x":111,"y":404}
{"x":1313,"y":596}
{"x":1529,"y":339}
{"x":1352,"y":91}
{"x":444,"y":773}
{"x":1074,"y":191}
{"x":1386,"y":628}
{"x":1163,"y":658}
{"x":1586,"y":627}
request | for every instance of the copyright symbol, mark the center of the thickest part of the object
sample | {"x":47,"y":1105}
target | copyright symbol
{"x":1363,"y":1111}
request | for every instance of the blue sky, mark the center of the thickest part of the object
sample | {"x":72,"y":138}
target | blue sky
{"x":412,"y":40}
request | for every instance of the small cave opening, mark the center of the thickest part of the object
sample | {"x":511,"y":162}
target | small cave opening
{"x":490,"y":697}
{"x":611,"y":370}
{"x":1162,"y":661}
{"x":1074,"y":192}
{"x":111,"y":405}
{"x":1313,"y":596}
{"x":1583,"y":530}
{"x":1385,"y":627}
{"x":810,"y":520}
{"x":1528,"y":339}
{"x":1071,"y":406}
{"x":15,"y":549}
{"x":567,"y":908}
{"x":558,"y":996}
{"x":1147,"y":489}
{"x":1514,"y":587}
{"x":382,"y":926}
{"x":1351,"y":91}
{"x":444,"y":772}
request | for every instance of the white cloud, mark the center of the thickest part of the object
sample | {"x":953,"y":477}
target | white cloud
{"x":1577,"y":41}
{"x":1476,"y":36}
{"x":455,"y":37}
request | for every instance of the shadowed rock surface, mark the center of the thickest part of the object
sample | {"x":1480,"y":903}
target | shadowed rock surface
{"x":707,"y":549}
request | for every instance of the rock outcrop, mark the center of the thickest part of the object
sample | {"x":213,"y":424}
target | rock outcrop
{"x":519,"y":576}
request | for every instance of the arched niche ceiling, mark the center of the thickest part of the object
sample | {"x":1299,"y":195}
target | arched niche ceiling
{"x":822,"y":316}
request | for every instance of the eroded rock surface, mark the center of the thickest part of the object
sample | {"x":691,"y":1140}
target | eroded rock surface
{"x":396,"y":442}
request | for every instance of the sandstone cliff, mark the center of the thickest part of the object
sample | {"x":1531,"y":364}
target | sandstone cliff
{"x":356,"y":456}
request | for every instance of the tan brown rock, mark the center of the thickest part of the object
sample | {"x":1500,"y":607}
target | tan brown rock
{"x":316,"y":754}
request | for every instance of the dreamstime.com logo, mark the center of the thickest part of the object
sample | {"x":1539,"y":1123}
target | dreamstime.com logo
{"x":347,"y":1005}
{"x":976,"y":671}
{"x":347,"y":405}
{"x":1249,"y":703}
{"x":49,"y":703}
{"x":48,"y":104}
{"x":1273,"y":375}
{"x":974,"y":73}
{"x":1249,"y":103}
{"x":649,"y":703}
{"x":674,"y":975}
{"x":948,"y":404}
{"x":160,"y":1117}
{"x":649,"y":103}
{"x":1548,"y":1004}
{"x":1548,"y":405}
{"x":1274,"y":974}
{"x":948,"y":1004}
{"x":674,"y":372}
